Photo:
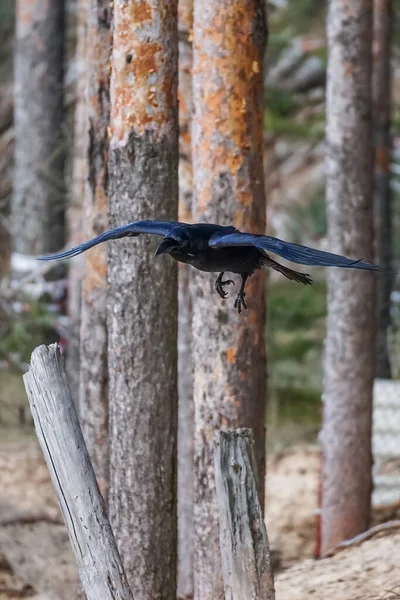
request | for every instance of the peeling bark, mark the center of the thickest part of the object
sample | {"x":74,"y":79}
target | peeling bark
{"x":94,"y":372}
{"x":142,"y":302}
{"x":382,"y":92}
{"x":350,"y":342}
{"x":37,"y":208}
{"x":229,"y":354}
{"x":185,"y":365}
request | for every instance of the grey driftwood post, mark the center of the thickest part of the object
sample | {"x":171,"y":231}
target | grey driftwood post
{"x":246,"y":564}
{"x":60,"y":436}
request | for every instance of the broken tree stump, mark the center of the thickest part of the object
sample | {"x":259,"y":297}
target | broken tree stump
{"x":82,"y":506}
{"x":246,"y":562}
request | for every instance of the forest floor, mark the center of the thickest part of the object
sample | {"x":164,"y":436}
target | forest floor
{"x":36,"y":561}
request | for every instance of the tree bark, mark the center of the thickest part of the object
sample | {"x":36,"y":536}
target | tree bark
{"x":75,"y":207}
{"x":382,"y":94}
{"x":246,"y":558}
{"x":60,"y":436}
{"x":229,"y":354}
{"x":185,"y":365}
{"x":142,"y":303}
{"x":38,"y":200}
{"x":93,"y":401}
{"x":350,"y":342}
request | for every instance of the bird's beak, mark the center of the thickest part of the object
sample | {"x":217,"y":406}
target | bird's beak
{"x":167,"y":246}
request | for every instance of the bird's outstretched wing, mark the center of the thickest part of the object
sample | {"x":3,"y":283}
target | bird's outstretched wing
{"x":131,"y":230}
{"x":293,"y":252}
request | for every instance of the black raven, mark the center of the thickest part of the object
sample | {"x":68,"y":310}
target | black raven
{"x":217,"y":249}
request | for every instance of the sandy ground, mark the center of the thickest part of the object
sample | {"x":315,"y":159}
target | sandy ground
{"x":36,"y":561}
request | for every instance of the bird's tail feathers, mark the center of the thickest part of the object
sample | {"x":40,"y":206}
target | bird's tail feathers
{"x":288,"y":273}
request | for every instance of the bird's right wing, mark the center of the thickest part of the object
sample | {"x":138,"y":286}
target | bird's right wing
{"x":131,"y":230}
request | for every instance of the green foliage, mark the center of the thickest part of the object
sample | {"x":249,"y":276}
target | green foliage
{"x":295,"y":334}
{"x":28,"y":330}
{"x":308,"y":220}
{"x":295,"y":307}
{"x":7,"y":13}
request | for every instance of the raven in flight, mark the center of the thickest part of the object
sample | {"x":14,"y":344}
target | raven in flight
{"x":217,"y":249}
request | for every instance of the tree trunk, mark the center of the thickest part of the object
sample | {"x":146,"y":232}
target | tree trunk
{"x":93,"y":372}
{"x":229,"y":354}
{"x":185,"y":366}
{"x":75,"y":208}
{"x":245,"y":552}
{"x":382,"y":93}
{"x":350,"y":342}
{"x":142,"y":302}
{"x":60,"y":437}
{"x":38,"y":200}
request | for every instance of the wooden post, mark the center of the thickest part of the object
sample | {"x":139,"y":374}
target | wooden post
{"x":246,"y":562}
{"x":60,"y":436}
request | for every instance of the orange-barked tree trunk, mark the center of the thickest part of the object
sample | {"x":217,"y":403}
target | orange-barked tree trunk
{"x":229,"y":39}
{"x":185,"y":365}
{"x":93,"y":395}
{"x":350,"y":341}
{"x":382,"y":94}
{"x":142,"y":301}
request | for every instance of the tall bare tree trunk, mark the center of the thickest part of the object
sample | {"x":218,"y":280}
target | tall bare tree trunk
{"x":93,"y":370}
{"x":38,"y":200}
{"x":382,"y":93}
{"x":75,"y":207}
{"x":229,"y":353}
{"x":185,"y":366}
{"x":142,"y":303}
{"x":350,"y":342}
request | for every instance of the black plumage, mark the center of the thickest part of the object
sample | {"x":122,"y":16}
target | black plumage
{"x":219,"y":249}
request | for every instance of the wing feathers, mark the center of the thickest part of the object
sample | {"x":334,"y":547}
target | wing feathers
{"x":293,"y":252}
{"x":131,"y":230}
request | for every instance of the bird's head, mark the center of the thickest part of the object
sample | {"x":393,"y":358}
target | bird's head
{"x":167,"y":246}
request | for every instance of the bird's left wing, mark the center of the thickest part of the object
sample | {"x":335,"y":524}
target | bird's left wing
{"x":293,"y":252}
{"x":131,"y":230}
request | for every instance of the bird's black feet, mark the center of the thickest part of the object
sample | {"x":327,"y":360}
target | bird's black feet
{"x":219,"y":286}
{"x":240,"y":302}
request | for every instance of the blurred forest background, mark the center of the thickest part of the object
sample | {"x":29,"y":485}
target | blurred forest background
{"x":295,"y":190}
{"x":41,"y":303}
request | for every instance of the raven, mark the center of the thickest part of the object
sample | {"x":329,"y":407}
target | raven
{"x":218,"y":248}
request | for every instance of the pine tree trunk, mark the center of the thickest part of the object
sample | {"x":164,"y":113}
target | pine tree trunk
{"x":229,"y":353}
{"x":185,"y":366}
{"x":350,"y":342}
{"x":38,"y":200}
{"x":142,"y":302}
{"x":75,"y":207}
{"x":94,"y":372}
{"x":382,"y":92}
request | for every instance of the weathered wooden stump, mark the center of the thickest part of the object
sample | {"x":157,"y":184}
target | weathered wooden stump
{"x":60,"y":436}
{"x":246,"y":563}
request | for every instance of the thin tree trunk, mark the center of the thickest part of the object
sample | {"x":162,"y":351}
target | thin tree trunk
{"x":350,"y":342}
{"x":142,"y":303}
{"x":229,"y":354}
{"x":185,"y":366}
{"x":93,"y":402}
{"x":382,"y":92}
{"x":38,"y":200}
{"x":75,"y":208}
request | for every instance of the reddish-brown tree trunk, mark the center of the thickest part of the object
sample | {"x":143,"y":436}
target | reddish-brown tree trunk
{"x":37,"y":207}
{"x":229,"y":353}
{"x":350,"y":342}
{"x":185,"y":365}
{"x":142,"y":302}
{"x":93,"y":350}
{"x":382,"y":94}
